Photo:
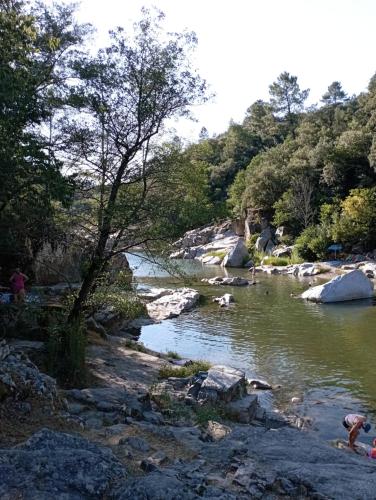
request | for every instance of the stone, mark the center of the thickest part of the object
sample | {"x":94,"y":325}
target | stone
{"x":136,"y":443}
{"x":225,"y":300}
{"x":296,"y":400}
{"x":269,"y":248}
{"x":219,"y":280}
{"x":261,"y":244}
{"x":351,"y":286}
{"x":282,"y":251}
{"x":259,"y":384}
{"x":19,"y":376}
{"x":243,"y":410}
{"x":306,"y":269}
{"x":113,"y":399}
{"x":172,"y":305}
{"x":222,"y":383}
{"x":148,"y":466}
{"x":157,"y":485}
{"x":237,"y":256}
{"x":92,"y":325}
{"x":215,"y":431}
{"x":57,"y":465}
{"x":158,"y":458}
{"x":211,"y":260}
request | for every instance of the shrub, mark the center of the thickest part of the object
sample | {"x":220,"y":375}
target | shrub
{"x":313,"y":242}
{"x":184,"y":371}
{"x":357,"y":220}
{"x":276,"y":261}
{"x":125,"y":303}
{"x":66,"y":353}
{"x":173,"y":355}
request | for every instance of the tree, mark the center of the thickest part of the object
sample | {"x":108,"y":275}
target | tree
{"x":260,"y":121}
{"x":287,"y":99}
{"x":126,"y":93}
{"x":357,"y":219}
{"x":334,"y":95}
{"x":35,"y":47}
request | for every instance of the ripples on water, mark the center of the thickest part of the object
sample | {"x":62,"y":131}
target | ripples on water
{"x":307,"y":348}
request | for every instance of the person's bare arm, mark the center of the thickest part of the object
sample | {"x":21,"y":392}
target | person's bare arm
{"x":26,"y":278}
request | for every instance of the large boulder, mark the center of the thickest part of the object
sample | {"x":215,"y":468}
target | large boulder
{"x":237,"y":256}
{"x":351,"y":286}
{"x":222,"y":383}
{"x":58,"y":465}
{"x":172,"y":305}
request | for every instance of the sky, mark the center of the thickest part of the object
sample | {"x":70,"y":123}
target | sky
{"x":243,"y":45}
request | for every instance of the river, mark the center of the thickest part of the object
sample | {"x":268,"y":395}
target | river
{"x":325,"y":353}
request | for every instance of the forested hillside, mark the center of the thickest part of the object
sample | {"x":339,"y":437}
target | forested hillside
{"x":310,"y":169}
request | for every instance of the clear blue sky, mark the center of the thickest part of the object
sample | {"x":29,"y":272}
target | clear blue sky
{"x":245,"y":44}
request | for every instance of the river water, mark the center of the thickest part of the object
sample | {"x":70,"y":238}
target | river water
{"x":325,"y":353}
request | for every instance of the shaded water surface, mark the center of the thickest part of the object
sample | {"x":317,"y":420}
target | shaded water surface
{"x":326,"y":352}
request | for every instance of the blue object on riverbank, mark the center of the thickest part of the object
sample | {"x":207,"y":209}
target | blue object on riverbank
{"x":335,"y":248}
{"x":5,"y":298}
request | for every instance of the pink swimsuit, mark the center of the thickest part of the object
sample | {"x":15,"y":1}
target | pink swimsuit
{"x":18,"y":283}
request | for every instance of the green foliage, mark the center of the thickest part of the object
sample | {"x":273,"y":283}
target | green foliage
{"x":125,"y":303}
{"x":217,"y":253}
{"x":176,"y":411}
{"x":36,"y":47}
{"x":313,"y":242}
{"x":357,"y":218}
{"x":206,"y":412}
{"x":287,"y":99}
{"x":276,"y":261}
{"x":66,"y":353}
{"x":173,"y":355}
{"x":184,"y":371}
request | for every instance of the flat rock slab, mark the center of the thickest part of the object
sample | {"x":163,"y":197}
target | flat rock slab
{"x":220,"y":280}
{"x":223,"y":383}
{"x":109,"y":399}
{"x":57,"y":465}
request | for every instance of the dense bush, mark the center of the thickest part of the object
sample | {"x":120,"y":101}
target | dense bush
{"x":357,"y":220}
{"x":313,"y":243}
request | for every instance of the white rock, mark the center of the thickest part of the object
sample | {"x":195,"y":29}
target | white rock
{"x":172,"y":305}
{"x":225,"y":300}
{"x":237,"y":255}
{"x":351,"y":286}
{"x":306,"y":269}
{"x":296,"y":400}
{"x":218,"y":280}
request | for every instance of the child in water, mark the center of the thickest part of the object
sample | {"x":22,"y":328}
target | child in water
{"x":372,"y":451}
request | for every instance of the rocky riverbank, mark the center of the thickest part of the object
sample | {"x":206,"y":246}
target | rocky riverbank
{"x":131,"y":435}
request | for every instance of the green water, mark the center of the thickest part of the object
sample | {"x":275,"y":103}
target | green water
{"x":325,"y":352}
